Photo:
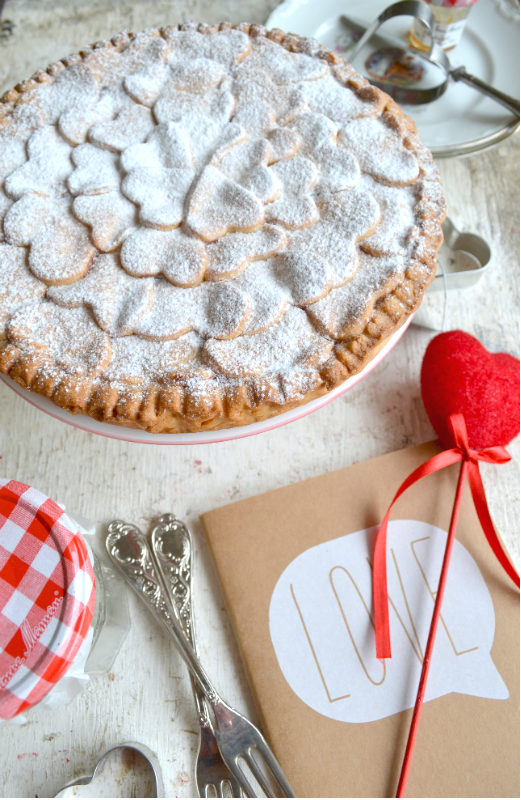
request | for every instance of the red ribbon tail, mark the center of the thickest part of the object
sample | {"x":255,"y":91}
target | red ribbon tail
{"x":380,"y":599}
{"x":380,"y":602}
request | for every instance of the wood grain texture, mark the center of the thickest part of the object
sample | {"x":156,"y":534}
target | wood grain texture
{"x":147,"y":695}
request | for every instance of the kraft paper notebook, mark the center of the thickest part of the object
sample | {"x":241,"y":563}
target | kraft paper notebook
{"x":295,"y":570}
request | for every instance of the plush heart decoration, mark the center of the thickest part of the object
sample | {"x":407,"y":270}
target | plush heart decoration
{"x":459,"y":375}
{"x":479,"y":392}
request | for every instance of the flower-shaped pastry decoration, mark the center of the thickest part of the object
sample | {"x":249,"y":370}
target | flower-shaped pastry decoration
{"x":207,"y":194}
{"x":60,"y":250}
{"x":184,"y":206}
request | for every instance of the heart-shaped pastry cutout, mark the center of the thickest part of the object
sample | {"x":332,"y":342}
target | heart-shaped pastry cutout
{"x":459,"y":375}
{"x":219,"y":205}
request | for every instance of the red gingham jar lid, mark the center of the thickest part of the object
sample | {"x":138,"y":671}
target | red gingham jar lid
{"x":47,"y":595}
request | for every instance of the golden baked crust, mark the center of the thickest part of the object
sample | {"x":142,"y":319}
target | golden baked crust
{"x":200,"y":310}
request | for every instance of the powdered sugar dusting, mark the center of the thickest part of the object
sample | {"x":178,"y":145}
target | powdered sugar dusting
{"x":137,"y":359}
{"x":279,"y":348}
{"x":203,"y":208}
{"x":48,"y":165}
{"x":17,"y":286}
{"x":344,"y":311}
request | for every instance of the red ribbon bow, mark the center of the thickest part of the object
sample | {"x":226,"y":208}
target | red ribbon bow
{"x":470,"y":466}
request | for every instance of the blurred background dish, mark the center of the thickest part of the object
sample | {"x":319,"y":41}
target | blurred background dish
{"x":458,"y":122}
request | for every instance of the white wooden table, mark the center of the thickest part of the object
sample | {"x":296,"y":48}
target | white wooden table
{"x":146,"y":697}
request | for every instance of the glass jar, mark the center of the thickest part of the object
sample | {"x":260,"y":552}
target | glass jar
{"x":59,"y":623}
{"x":450,"y":17}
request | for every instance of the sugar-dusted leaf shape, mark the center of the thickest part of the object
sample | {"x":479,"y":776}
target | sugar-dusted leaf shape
{"x":291,"y":341}
{"x":343,"y":222}
{"x":160,"y":194}
{"x":18,"y":286}
{"x":73,"y":90}
{"x":282,"y":66}
{"x":380,"y":151}
{"x":219,"y":205}
{"x":179,"y":257}
{"x":228,"y":310}
{"x":174,"y":312}
{"x":330,"y":97}
{"x":345,"y":311}
{"x":116,"y":300}
{"x":109,"y":216}
{"x":284,"y":143}
{"x":204,"y":120}
{"x":168,"y":145}
{"x":230,"y":255}
{"x":160,"y":173}
{"x":246,"y":163}
{"x":216,"y":104}
{"x":132,"y":124}
{"x":307,"y":277}
{"x":144,"y":84}
{"x":60,"y":250}
{"x":228,"y":47}
{"x":261,"y":105}
{"x":76,"y":120}
{"x":195,"y":76}
{"x":67,"y":340}
{"x":220,"y":310}
{"x":95,"y":170}
{"x":269,"y":298}
{"x":338,"y":168}
{"x":158,"y":360}
{"x":47,"y":167}
{"x":398,"y":222}
{"x":294,"y":208}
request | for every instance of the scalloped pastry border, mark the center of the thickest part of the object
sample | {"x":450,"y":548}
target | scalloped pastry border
{"x":174,"y":408}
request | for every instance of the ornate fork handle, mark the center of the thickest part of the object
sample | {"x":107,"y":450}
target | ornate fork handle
{"x":128,"y":548}
{"x":172,"y":550}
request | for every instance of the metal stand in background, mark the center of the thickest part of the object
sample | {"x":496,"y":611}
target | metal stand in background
{"x":6,"y":25}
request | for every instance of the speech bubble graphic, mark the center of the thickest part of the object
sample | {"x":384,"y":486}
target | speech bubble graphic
{"x":322,"y":630}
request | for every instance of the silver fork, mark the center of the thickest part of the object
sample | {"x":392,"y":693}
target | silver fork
{"x":172,"y":549}
{"x":240,"y":742}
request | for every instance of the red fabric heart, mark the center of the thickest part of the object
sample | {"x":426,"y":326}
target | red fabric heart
{"x":459,"y":375}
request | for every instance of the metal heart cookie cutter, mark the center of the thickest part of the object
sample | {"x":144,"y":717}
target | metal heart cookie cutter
{"x":462,"y":259}
{"x":72,"y":789}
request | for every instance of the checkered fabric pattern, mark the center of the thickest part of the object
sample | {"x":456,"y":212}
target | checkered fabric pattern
{"x":47,"y":595}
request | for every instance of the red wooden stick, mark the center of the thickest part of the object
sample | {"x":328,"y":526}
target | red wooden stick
{"x":432,"y":635}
